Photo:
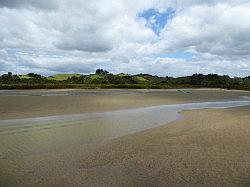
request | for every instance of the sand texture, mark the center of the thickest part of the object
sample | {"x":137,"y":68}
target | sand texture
{"x":34,"y":103}
{"x":208,"y":147}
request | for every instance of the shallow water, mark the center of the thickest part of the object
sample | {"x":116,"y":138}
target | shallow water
{"x":56,"y":143}
{"x":106,"y":125}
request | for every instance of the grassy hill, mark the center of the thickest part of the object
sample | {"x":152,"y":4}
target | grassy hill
{"x":140,"y":79}
{"x":61,"y":77}
{"x":104,"y":79}
{"x":24,"y":76}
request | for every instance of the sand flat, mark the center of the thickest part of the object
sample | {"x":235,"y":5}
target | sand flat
{"x":35,"y":103}
{"x":207,"y":147}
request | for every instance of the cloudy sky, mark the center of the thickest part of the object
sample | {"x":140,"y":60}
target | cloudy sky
{"x":163,"y":37}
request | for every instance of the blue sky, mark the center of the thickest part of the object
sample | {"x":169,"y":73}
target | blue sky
{"x":177,"y":55}
{"x":156,"y":20}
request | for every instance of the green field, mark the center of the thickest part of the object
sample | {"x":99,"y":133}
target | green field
{"x":24,"y":76}
{"x":96,"y":76}
{"x":61,"y":77}
{"x":140,"y":80}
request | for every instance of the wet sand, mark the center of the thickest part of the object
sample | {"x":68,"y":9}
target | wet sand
{"x":35,"y":103}
{"x":207,"y":147}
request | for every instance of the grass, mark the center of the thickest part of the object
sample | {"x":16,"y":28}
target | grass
{"x":24,"y":76}
{"x":96,"y":76}
{"x":122,"y":75}
{"x":140,"y":80}
{"x":62,"y":77}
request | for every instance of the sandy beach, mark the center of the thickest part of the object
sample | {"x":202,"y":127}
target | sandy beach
{"x":34,"y":103}
{"x":208,"y":147}
{"x":124,"y":93}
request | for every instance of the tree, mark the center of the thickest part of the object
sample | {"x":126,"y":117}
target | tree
{"x":9,"y":74}
{"x":101,"y":72}
{"x":34,"y":75}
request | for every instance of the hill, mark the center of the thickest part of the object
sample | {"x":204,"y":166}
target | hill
{"x":104,"y":79}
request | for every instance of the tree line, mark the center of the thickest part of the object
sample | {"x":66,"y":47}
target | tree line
{"x":102,"y":78}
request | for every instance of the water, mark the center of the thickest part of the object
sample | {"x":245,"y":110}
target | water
{"x":101,"y":126}
{"x":35,"y":148}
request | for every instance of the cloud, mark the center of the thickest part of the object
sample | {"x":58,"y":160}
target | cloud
{"x":80,"y":36}
{"x":217,"y":34}
{"x":87,"y":43}
{"x":210,"y":29}
{"x":44,"y":4}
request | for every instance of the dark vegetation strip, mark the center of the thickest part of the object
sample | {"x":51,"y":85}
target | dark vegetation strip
{"x":104,"y":79}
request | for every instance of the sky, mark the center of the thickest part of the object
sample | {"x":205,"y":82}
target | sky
{"x":159,"y":37}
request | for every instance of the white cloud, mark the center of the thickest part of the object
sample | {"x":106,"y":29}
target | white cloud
{"x":79,"y":36}
{"x":219,"y":30}
{"x":44,"y":4}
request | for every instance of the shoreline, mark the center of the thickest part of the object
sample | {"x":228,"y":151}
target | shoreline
{"x":207,"y":147}
{"x":121,"y":89}
{"x":210,"y":105}
{"x":27,"y":104}
{"x":203,"y":147}
{"x":201,"y":150}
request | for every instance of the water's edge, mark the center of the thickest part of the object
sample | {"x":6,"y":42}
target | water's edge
{"x":114,"y":123}
{"x":63,"y":134}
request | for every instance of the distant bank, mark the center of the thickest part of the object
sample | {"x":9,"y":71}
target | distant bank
{"x":103,"y":79}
